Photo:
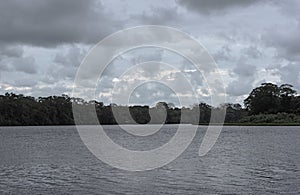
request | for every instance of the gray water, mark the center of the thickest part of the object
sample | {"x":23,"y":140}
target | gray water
{"x":245,"y":160}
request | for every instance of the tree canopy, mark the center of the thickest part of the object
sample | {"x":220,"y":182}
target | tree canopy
{"x":265,"y":103}
{"x":271,"y":99}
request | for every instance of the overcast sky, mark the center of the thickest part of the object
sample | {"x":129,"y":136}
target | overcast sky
{"x":42,"y":43}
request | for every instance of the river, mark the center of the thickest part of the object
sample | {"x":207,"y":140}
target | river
{"x":245,"y":160}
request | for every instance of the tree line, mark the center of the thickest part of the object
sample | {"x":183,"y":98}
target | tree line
{"x":267,"y":103}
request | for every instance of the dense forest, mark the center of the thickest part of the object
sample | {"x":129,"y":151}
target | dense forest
{"x":266,"y":104}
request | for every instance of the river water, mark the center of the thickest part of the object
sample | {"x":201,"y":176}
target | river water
{"x":245,"y":160}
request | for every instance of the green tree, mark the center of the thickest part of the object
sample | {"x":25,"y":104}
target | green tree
{"x":287,"y":94}
{"x":270,"y":99}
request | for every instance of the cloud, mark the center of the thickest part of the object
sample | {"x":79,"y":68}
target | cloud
{"x":7,"y":52}
{"x":245,"y":78}
{"x":12,"y":58}
{"x":285,"y":40}
{"x":244,"y":70}
{"x":65,"y":64}
{"x":158,"y":16}
{"x":214,"y":6}
{"x":290,"y":73}
{"x":49,"y":23}
{"x":43,"y":42}
{"x":252,"y":52}
{"x":10,"y":51}
{"x":70,"y":58}
{"x":291,"y":8}
{"x":151,"y":93}
{"x":223,"y":55}
{"x":25,"y":81}
{"x":25,"y":64}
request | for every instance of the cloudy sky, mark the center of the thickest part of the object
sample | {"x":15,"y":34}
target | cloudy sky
{"x":42,"y":43}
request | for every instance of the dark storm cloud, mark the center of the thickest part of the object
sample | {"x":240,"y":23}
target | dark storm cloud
{"x":7,"y":52}
{"x":285,"y":40}
{"x":159,"y":16}
{"x":47,"y":23}
{"x":10,"y":51}
{"x":12,"y":59}
{"x":42,"y":42}
{"x":210,"y":6}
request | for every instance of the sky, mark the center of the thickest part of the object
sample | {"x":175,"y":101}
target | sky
{"x":42,"y":44}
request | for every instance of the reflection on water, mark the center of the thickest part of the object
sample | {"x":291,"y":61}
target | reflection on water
{"x":245,"y":160}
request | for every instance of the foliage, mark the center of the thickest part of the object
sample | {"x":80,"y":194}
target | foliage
{"x":265,"y":104}
{"x":271,"y":99}
{"x":57,"y":110}
{"x":279,"y":118}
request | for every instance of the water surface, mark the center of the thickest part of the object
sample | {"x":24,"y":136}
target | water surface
{"x":245,"y":160}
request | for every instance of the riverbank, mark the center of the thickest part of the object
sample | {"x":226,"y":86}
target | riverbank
{"x":253,"y":124}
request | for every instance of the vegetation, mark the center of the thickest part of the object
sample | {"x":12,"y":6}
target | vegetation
{"x":279,"y":118}
{"x":271,"y":99}
{"x":266,"y":104}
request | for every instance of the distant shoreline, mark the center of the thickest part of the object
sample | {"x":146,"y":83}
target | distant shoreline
{"x":266,"y":105}
{"x":201,"y":124}
{"x":261,"y":124}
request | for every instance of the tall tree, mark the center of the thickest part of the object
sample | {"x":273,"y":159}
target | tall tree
{"x":270,"y":99}
{"x":287,"y":94}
